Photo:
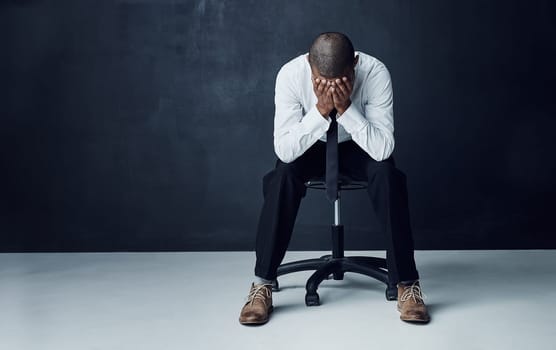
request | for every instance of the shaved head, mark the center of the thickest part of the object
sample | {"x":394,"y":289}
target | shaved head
{"x":332,"y":54}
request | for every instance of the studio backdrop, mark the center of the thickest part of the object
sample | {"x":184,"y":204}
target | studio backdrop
{"x":139,"y":125}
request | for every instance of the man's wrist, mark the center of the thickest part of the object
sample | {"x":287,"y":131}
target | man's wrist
{"x":343,"y":109}
{"x":324,"y":111}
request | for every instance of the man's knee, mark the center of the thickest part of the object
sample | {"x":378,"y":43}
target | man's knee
{"x":384,"y":170}
{"x":286,"y":169}
{"x":282,"y":171}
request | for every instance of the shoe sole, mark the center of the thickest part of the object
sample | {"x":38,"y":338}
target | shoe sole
{"x":252,"y":323}
{"x":412,"y":320}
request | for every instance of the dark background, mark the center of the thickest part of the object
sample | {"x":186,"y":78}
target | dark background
{"x":147,"y":125}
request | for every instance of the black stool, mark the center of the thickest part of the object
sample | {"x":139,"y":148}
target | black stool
{"x":337,"y":264}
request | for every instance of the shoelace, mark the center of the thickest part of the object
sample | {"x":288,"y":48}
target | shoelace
{"x":259,"y":292}
{"x":413,"y":291}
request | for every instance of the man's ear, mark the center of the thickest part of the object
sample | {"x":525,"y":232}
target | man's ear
{"x":355,"y":60}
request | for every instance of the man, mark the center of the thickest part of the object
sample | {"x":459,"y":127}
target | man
{"x":355,"y":88}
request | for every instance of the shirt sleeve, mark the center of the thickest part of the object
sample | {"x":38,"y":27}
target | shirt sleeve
{"x":294,"y":132}
{"x":373,"y":127}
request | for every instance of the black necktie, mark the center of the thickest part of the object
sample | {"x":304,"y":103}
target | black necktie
{"x":331,"y":177}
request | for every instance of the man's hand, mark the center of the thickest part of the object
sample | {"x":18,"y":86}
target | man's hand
{"x":341,"y":94}
{"x":323,"y":91}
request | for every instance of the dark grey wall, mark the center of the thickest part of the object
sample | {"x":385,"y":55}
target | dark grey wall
{"x":147,"y":125}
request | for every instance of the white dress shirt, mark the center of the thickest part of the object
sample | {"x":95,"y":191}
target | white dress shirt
{"x":369,"y":120}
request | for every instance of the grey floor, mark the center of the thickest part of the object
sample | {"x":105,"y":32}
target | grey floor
{"x":477,"y":300}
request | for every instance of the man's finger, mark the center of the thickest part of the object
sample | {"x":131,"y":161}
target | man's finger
{"x":320,"y":87}
{"x":325,"y":85}
{"x":337,"y":98}
{"x":330,"y":93}
{"x":342,"y":89}
{"x":347,"y":84}
{"x":346,"y":87}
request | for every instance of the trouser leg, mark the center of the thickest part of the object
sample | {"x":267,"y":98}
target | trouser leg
{"x":388,"y":193}
{"x":387,"y":189}
{"x":283,"y":189}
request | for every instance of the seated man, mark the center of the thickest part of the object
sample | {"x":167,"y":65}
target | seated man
{"x":333,"y":79}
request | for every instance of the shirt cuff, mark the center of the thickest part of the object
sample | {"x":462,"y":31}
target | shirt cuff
{"x":314,"y":123}
{"x":352,"y":120}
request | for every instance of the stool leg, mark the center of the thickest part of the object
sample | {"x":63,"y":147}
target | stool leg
{"x":338,"y":247}
{"x":312,"y":297}
{"x":337,"y":238}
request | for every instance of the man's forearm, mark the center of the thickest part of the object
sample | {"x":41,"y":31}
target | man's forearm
{"x":376,"y":141}
{"x":292,"y":142}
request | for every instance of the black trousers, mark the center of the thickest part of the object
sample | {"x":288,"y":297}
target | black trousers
{"x":283,"y":189}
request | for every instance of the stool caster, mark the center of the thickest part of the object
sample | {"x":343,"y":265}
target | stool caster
{"x":391,"y":293}
{"x":275,"y":286}
{"x":312,"y":299}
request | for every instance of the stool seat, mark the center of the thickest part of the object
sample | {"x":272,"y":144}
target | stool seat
{"x":345,"y":183}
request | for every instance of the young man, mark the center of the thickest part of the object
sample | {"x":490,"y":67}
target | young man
{"x":333,"y":79}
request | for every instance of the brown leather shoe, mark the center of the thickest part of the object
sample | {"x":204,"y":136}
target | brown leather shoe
{"x":258,"y":306}
{"x":410,"y":303}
